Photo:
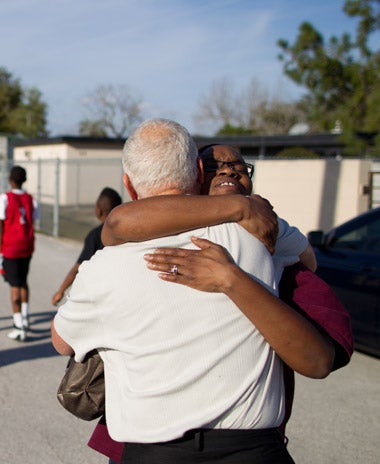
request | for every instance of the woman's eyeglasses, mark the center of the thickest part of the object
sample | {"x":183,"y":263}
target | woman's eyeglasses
{"x":213,"y":165}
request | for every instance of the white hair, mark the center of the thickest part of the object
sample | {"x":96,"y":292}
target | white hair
{"x":159,"y":155}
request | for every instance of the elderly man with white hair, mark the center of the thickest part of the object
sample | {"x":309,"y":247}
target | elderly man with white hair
{"x":188,"y":377}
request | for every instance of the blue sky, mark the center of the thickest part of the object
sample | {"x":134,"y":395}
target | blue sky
{"x":167,"y":51}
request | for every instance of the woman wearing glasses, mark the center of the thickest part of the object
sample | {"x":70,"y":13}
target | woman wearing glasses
{"x":225,"y":174}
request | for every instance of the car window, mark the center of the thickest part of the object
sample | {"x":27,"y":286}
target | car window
{"x":363,"y":238}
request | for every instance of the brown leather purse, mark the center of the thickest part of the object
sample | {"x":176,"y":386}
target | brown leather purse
{"x":81,"y":391}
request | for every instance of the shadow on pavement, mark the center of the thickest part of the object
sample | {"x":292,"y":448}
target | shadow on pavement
{"x":41,"y":318}
{"x":24,"y":351}
{"x":35,"y":320}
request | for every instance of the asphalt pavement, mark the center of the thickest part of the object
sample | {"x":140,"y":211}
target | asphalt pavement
{"x":335,"y":420}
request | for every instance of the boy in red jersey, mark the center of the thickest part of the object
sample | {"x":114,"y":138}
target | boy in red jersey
{"x":18,"y":211}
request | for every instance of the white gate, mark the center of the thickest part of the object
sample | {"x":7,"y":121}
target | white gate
{"x":374,"y":189}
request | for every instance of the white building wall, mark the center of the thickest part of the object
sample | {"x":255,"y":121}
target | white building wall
{"x":62,"y":151}
{"x":92,"y":153}
{"x":82,"y":173}
{"x":293,"y":187}
{"x":351,"y":199}
{"x":314,"y":194}
{"x":35,"y":152}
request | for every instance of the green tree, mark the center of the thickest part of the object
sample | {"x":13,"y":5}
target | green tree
{"x":341,"y":75}
{"x":22,"y":110}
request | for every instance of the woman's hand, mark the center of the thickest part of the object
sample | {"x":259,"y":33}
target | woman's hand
{"x":211,"y":269}
{"x":207,"y":269}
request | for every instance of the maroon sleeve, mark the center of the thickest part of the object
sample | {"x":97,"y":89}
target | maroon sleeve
{"x":314,"y":298}
{"x":311,"y":296}
{"x":101,"y":442}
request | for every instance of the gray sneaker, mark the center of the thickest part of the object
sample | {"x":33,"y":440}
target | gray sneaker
{"x":17,"y":334}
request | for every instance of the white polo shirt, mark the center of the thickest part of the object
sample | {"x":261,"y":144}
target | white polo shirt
{"x":175,"y":358}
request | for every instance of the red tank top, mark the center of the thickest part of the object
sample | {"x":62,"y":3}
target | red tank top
{"x":18,"y":231}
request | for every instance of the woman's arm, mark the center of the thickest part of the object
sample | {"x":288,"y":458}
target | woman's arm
{"x":298,"y":343}
{"x":171,"y":214}
{"x":308,"y":258}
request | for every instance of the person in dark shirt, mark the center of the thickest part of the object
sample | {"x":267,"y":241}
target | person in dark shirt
{"x":107,"y":200}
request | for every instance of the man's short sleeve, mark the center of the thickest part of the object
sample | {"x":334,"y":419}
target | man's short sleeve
{"x":290,"y":240}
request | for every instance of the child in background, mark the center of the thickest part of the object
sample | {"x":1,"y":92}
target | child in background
{"x":106,"y":201}
{"x":18,"y":211}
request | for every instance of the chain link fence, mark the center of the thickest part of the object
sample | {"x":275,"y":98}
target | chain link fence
{"x":66,"y":191}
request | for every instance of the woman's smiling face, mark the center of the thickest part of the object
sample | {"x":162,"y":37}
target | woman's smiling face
{"x":225,"y":172}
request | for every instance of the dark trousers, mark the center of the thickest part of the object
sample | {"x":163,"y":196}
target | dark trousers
{"x":265,"y":446}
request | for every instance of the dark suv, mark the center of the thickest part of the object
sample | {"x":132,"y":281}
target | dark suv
{"x":349,"y":260}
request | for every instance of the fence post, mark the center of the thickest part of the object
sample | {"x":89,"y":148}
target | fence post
{"x":77,"y":186}
{"x":56,"y":199}
{"x":3,"y":175}
{"x":39,"y":173}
